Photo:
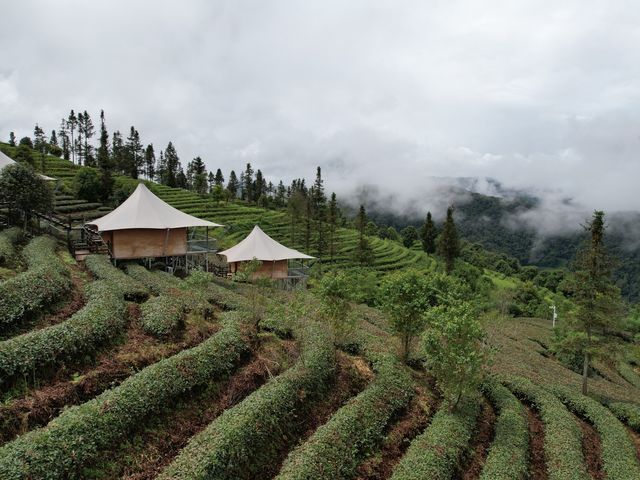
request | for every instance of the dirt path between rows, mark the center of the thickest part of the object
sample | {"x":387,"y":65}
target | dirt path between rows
{"x":537,"y":462}
{"x":480,"y":443}
{"x":591,"y":449}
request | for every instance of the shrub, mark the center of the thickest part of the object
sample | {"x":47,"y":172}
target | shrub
{"x":8,"y":240}
{"x":248,"y":436}
{"x":99,"y":321}
{"x":161,"y":315}
{"x":45,"y":281}
{"x":628,"y":413}
{"x":73,"y":439}
{"x":336,"y":448}
{"x":562,"y":435}
{"x":508,"y":454}
{"x":435,"y":453}
{"x":101,"y":267}
{"x":618,"y":451}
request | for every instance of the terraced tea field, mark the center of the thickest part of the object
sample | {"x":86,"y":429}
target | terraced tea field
{"x":112,"y":373}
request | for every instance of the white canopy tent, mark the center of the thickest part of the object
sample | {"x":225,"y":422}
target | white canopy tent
{"x":5,"y":161}
{"x":144,"y":210}
{"x":144,"y":226}
{"x":273,"y":255}
{"x":261,"y":246}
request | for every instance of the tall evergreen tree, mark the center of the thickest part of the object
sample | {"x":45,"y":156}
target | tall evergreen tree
{"x":104,"y":161}
{"x":333,"y":224}
{"x":72,"y":124}
{"x":428,"y":235}
{"x":319,"y":211}
{"x":65,"y":144}
{"x":280,"y":196}
{"x":118,"y":152}
{"x":39,"y":139}
{"x":448,"y":242}
{"x":211,"y":180}
{"x":259,"y":187}
{"x":296,"y":207}
{"x":308,"y":221}
{"x":197,"y":175}
{"x":364,"y":253}
{"x":150,"y":162}
{"x":247,"y":180}
{"x":597,"y":298}
{"x":219,"y":178}
{"x":181,"y":178}
{"x":53,"y":139}
{"x":134,"y":153}
{"x":173,"y":164}
{"x":12,"y":139}
{"x":86,"y":131}
{"x":161,"y":169}
{"x":233,"y":184}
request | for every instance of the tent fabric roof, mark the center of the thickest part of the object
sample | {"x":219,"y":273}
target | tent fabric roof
{"x":5,"y":161}
{"x":144,"y":210}
{"x":261,"y":246}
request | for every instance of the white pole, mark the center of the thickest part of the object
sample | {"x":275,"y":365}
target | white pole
{"x":555,"y":315}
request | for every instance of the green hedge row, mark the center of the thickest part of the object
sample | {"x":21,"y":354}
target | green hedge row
{"x":562,"y":435}
{"x":100,"y":266}
{"x":69,"y":442}
{"x":161,"y":315}
{"x":225,"y":298}
{"x":8,"y":240}
{"x":626,"y":371}
{"x":508,"y":454}
{"x":618,"y":451}
{"x":436,"y":452}
{"x":629,"y":413}
{"x":245,"y":438}
{"x":337,"y":447}
{"x":45,"y":281}
{"x":193,"y":299}
{"x":101,"y":319}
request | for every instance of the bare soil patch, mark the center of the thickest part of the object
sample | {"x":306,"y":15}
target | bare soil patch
{"x":537,"y":462}
{"x":591,"y":449}
{"x":480,"y":443}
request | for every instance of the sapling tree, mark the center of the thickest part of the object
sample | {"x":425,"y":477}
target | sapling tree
{"x":454,"y":351}
{"x":335,"y":294}
{"x":406,"y":296}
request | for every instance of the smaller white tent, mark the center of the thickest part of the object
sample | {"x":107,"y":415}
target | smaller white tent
{"x":5,"y":161}
{"x":261,"y":246}
{"x":144,"y":210}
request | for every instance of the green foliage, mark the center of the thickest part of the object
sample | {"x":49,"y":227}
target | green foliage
{"x":162,"y":315}
{"x":23,"y":192}
{"x":86,"y":184}
{"x":338,"y":446}
{"x":8,"y":240}
{"x":428,"y":235}
{"x":101,"y":267}
{"x":452,"y":346}
{"x":435,"y":452}
{"x":245,"y":438}
{"x":99,"y":322}
{"x":508,"y":455}
{"x":98,"y":424}
{"x":629,"y":413}
{"x":528,"y":302}
{"x":363,"y":284}
{"x":562,"y":435}
{"x":334,"y":292}
{"x":45,"y":281}
{"x":618,"y":451}
{"x":409,"y":236}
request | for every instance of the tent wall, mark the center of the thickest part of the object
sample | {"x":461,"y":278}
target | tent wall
{"x":277,"y":269}
{"x":141,"y":243}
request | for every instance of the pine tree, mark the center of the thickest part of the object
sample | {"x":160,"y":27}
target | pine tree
{"x":53,"y":139}
{"x":333,"y":224}
{"x":597,"y":298}
{"x":134,"y":153}
{"x":219,"y":178}
{"x":197,"y":175}
{"x":150,"y":162}
{"x":296,"y":206}
{"x":211,"y":180}
{"x":280,"y":195}
{"x":259,"y":187}
{"x":39,"y":139}
{"x":364,"y":253}
{"x":65,"y":144}
{"x":118,"y":152}
{"x":247,"y":193}
{"x":319,"y":211}
{"x":232,"y":186}
{"x":86,"y":131}
{"x":12,"y":139}
{"x":308,"y":222}
{"x":173,"y":164}
{"x":72,"y":124}
{"x":181,"y":178}
{"x":428,"y":235}
{"x":448,"y":242}
{"x":161,"y":170}
{"x":104,"y":161}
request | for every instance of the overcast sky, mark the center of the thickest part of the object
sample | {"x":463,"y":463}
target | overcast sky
{"x":538,"y":93}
